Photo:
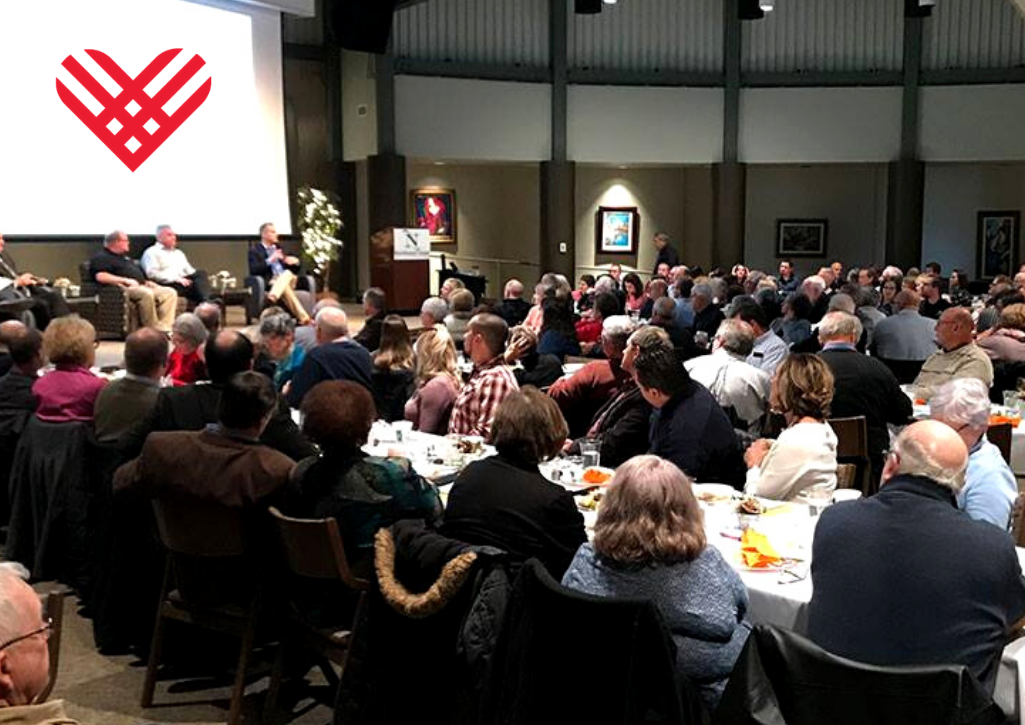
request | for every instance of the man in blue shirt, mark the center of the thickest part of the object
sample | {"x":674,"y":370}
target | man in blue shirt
{"x":990,"y":487}
{"x":336,"y":357}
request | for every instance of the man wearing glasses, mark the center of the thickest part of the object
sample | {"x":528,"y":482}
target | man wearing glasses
{"x":24,"y":654}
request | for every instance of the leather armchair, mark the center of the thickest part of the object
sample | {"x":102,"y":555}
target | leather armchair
{"x":305,"y":283}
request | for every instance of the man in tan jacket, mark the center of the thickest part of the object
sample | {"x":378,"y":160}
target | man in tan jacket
{"x":24,"y":654}
{"x":958,"y":356}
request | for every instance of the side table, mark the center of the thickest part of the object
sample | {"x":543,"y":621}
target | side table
{"x":237,"y":296}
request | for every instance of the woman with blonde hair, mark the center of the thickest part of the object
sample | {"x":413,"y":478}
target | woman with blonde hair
{"x":437,"y":381}
{"x":649,"y":543}
{"x":1006,"y":342}
{"x":804,"y":455}
{"x":69,"y":391}
{"x":393,"y":369}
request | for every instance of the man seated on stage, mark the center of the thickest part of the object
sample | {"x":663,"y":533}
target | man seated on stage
{"x":268,"y":260}
{"x":46,"y":303}
{"x":156,"y":305}
{"x":165,"y":264}
{"x":24,"y":653}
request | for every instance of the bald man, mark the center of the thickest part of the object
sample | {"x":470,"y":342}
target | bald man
{"x":9,"y":329}
{"x":958,"y":356}
{"x":336,"y":357}
{"x":905,"y":578}
{"x":24,"y":653}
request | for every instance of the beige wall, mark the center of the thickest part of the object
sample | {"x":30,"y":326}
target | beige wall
{"x":498,"y":218}
{"x":851,"y":196}
{"x":658,"y":194}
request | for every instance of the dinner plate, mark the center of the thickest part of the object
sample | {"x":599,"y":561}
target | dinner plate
{"x":714,"y":493}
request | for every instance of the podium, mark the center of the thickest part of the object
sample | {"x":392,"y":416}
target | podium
{"x":406,"y":282}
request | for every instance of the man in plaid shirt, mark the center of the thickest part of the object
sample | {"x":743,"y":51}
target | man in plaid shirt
{"x":492,"y":380}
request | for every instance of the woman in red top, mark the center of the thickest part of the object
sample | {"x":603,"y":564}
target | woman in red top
{"x":185,"y":364}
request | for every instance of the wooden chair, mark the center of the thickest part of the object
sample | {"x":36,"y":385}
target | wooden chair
{"x":205,"y":543}
{"x":846,"y":475}
{"x":1000,"y":436}
{"x":852,"y":448}
{"x":313,"y":549}
{"x":1018,"y":520}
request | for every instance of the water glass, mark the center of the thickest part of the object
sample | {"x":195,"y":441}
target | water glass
{"x":1011,"y":400}
{"x":590,"y":451}
{"x":818,"y":497}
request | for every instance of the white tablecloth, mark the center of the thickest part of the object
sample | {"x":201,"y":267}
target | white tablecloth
{"x":786,"y":605}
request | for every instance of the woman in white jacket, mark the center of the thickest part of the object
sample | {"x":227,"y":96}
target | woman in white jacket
{"x":804,"y":455}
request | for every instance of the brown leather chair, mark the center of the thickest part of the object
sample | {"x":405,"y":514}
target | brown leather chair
{"x":313,"y":550}
{"x":206,"y":549}
{"x":852,"y":448}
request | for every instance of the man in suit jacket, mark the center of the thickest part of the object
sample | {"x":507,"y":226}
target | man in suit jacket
{"x":126,"y":401}
{"x":905,"y":578}
{"x":335,"y":357}
{"x":192,"y":407}
{"x":225,"y":462}
{"x":278,"y":270}
{"x":46,"y":303}
{"x":862,"y":385}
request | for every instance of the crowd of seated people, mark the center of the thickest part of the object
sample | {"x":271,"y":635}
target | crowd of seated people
{"x":675,"y":378}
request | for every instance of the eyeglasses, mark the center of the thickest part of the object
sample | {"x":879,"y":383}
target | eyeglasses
{"x":44,"y":630}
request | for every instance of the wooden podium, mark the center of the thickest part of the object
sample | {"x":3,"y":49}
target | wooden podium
{"x":405,"y":283}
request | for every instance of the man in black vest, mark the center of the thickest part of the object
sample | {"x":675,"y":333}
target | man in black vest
{"x":46,"y":303}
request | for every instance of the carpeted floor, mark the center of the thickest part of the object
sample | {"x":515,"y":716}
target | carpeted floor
{"x":100,"y":690}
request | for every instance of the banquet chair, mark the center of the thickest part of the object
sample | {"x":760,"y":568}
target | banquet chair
{"x":53,"y":610}
{"x":852,"y":448}
{"x":313,"y":550}
{"x":846,"y":475}
{"x":1018,"y":520}
{"x":1000,"y":436}
{"x":207,"y":583}
{"x":551,"y":630}
{"x":783,"y":678}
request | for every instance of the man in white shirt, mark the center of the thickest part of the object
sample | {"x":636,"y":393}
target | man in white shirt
{"x":165,"y":264}
{"x":731,"y":380}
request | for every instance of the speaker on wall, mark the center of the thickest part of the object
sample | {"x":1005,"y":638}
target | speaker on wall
{"x":363,"y":25}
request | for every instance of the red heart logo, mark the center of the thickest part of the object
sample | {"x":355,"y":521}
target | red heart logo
{"x":131,"y":135}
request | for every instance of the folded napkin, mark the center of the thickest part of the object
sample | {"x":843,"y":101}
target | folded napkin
{"x":756,"y":550}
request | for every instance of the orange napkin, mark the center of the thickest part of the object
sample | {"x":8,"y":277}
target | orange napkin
{"x":756,"y":550}
{"x":1001,"y":419}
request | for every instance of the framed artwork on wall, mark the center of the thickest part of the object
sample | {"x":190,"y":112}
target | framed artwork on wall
{"x":801,"y":237}
{"x":997,"y":242}
{"x":616,"y":229}
{"x":434,"y":209}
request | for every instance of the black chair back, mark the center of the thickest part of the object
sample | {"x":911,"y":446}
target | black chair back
{"x":784,"y":678}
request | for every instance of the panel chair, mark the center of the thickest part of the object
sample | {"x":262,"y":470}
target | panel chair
{"x":313,"y":550}
{"x":206,"y":550}
{"x":852,"y":447}
{"x":1000,"y":436}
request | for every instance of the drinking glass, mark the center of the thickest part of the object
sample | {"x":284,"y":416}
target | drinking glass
{"x":1011,"y":400}
{"x":590,"y":452}
{"x":818,"y":497}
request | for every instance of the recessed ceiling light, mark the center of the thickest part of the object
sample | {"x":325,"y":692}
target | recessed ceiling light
{"x":439,"y":163}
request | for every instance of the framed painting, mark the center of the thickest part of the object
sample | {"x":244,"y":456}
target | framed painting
{"x":434,"y":209}
{"x":997,"y":242}
{"x":616,"y":229}
{"x":801,"y":237}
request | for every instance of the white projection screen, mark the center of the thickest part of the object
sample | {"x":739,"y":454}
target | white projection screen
{"x":220,"y":172}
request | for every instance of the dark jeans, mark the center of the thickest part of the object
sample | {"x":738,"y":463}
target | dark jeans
{"x":198,"y":291}
{"x":46,"y":303}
